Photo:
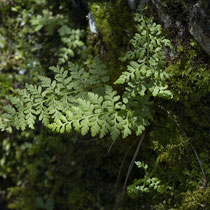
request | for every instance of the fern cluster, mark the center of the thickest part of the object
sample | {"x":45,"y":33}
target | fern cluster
{"x":146,"y":184}
{"x":71,"y":39}
{"x":145,"y":73}
{"x":82,"y":98}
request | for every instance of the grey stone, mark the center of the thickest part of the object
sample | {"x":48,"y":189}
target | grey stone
{"x":199,"y":25}
{"x":163,"y":16}
{"x":92,"y":23}
{"x":132,"y":4}
{"x":142,"y":3}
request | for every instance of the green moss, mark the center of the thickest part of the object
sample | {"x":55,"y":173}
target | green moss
{"x":114,"y":21}
{"x":115,"y":24}
{"x":190,"y":77}
{"x":168,"y":142}
{"x":196,"y":200}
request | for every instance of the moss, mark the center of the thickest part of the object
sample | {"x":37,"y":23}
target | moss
{"x":196,"y":199}
{"x":173,"y":3}
{"x":189,"y":71}
{"x":111,"y":25}
{"x":168,"y":142}
{"x":188,"y":82}
{"x":172,"y":7}
{"x":115,"y":24}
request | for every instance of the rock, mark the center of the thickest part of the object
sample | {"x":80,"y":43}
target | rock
{"x":142,"y":3}
{"x":162,"y":15}
{"x":92,"y":23}
{"x":198,"y":20}
{"x":199,"y":25}
{"x":197,"y":15}
{"x":132,"y":4}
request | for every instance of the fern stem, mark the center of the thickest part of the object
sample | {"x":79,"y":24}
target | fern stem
{"x":155,"y":166}
{"x":83,"y":89}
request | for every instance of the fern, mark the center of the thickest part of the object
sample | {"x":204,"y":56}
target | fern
{"x":96,"y":113}
{"x":146,"y":184}
{"x":52,"y":100}
{"x":145,"y":71}
{"x":100,"y":115}
{"x":71,"y":39}
{"x":81,"y":98}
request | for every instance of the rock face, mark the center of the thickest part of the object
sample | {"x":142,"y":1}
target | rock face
{"x":133,"y":4}
{"x":198,"y":15}
{"x":199,"y":25}
{"x":162,"y":15}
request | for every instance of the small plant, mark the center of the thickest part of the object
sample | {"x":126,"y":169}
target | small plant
{"x":146,"y":184}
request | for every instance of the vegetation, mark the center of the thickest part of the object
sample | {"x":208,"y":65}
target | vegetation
{"x":78,"y":109}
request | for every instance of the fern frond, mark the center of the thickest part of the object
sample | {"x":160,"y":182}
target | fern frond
{"x":147,"y":72}
{"x":100,"y":115}
{"x":79,"y":98}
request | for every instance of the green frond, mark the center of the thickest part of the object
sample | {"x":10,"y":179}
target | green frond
{"x":80,"y":98}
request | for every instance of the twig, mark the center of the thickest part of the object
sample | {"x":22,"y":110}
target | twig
{"x":185,"y":135}
{"x":132,"y":162}
{"x":123,"y":161}
{"x":110,"y":147}
{"x":120,"y":169}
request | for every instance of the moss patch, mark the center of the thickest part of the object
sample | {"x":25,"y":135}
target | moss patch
{"x":115,"y":24}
